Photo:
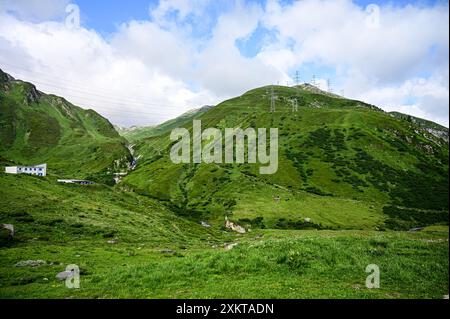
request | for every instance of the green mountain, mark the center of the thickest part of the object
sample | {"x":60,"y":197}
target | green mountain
{"x":136,"y":133}
{"x":37,"y":128}
{"x":342,"y":164}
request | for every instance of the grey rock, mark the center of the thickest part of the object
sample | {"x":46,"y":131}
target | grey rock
{"x":9,"y":228}
{"x":31,"y":263}
{"x":230,"y":246}
{"x":63,"y":275}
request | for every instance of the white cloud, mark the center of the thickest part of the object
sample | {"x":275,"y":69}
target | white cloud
{"x":221,"y":67}
{"x":154,"y":46}
{"x":336,"y":33}
{"x":149,"y":71}
{"x":430,"y":98}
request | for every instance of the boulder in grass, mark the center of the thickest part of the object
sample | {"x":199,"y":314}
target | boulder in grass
{"x":205,"y":224}
{"x":31,"y":263}
{"x":230,"y":246}
{"x":9,"y":228}
{"x":63,"y":275}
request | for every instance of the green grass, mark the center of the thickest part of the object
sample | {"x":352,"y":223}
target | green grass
{"x":42,"y":209}
{"x":266,"y":264}
{"x":64,"y":224}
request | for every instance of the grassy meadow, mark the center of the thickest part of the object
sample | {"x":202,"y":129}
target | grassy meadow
{"x":157,"y":254}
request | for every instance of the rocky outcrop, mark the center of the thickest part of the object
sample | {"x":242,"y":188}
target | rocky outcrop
{"x":31,"y":263}
{"x":9,"y":228}
{"x":32,"y":95}
{"x":439,"y":133}
{"x":233,"y":226}
{"x":5,"y":77}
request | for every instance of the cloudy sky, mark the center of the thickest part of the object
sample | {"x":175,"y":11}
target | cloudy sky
{"x":144,"y":62}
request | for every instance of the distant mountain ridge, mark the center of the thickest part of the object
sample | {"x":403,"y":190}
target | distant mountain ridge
{"x":135,"y":133}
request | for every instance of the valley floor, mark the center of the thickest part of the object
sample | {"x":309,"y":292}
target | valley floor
{"x":263,"y":264}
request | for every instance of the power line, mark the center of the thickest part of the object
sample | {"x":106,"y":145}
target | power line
{"x":82,"y":89}
{"x":72,"y":83}
{"x":108,"y":99}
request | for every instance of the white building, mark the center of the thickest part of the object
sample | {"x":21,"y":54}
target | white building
{"x":39,"y":170}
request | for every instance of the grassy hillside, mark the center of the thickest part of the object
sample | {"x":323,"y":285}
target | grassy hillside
{"x":37,"y":128}
{"x":343,"y":164}
{"x":134,"y":134}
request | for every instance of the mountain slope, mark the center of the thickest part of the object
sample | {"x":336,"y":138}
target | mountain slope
{"x":342,"y":164}
{"x":37,"y":127}
{"x":134,"y":134}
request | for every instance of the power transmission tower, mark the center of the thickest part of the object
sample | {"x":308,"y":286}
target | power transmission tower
{"x":297,"y":78}
{"x":272,"y":101}
{"x":330,"y":89}
{"x":314,"y":80}
{"x":342,"y":93}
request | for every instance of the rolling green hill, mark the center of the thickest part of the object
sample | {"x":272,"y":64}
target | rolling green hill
{"x":37,"y":128}
{"x":343,"y":164}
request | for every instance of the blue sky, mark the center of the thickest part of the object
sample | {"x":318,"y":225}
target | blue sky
{"x":174,"y":55}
